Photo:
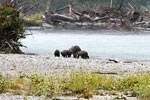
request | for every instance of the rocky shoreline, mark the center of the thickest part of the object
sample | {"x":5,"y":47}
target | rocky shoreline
{"x":13,"y":64}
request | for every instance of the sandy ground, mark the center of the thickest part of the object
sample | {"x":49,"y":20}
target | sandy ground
{"x":26,"y":64}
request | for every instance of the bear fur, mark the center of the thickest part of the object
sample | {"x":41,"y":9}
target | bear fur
{"x":82,"y":54}
{"x":66,"y":53}
{"x":57,"y":53}
{"x":74,"y":49}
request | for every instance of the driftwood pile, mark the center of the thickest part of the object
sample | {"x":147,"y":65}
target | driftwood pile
{"x":98,"y":18}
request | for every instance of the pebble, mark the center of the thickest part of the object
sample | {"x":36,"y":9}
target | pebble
{"x":48,"y":64}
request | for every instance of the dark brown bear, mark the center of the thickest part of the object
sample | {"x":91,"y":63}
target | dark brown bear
{"x":74,"y":49}
{"x":65,"y":53}
{"x":82,"y":54}
{"x":57,"y":53}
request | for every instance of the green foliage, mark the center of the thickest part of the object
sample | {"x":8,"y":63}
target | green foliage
{"x":85,"y":84}
{"x":81,"y":83}
{"x":143,"y":92}
{"x":55,"y":4}
{"x":40,"y":85}
{"x":51,"y":87}
{"x":6,"y":11}
{"x":36,"y":16}
{"x":34,"y":20}
{"x":11,"y":26}
{"x":139,"y":85}
{"x":36,"y":84}
{"x":11,"y":30}
{"x":17,"y":92}
{"x":4,"y":84}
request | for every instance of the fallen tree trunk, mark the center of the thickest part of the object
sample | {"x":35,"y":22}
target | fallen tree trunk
{"x":100,"y":18}
{"x":62,"y":18}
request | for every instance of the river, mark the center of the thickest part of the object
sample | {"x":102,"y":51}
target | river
{"x":99,"y":44}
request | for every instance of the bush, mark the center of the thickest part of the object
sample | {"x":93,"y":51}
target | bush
{"x":4,"y":84}
{"x":11,"y":30}
{"x":78,"y":83}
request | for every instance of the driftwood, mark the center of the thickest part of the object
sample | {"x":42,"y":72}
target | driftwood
{"x":102,"y":18}
{"x":62,"y":17}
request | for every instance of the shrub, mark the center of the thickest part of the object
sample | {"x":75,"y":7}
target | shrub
{"x":82,"y":84}
{"x":11,"y":29}
{"x":4,"y":84}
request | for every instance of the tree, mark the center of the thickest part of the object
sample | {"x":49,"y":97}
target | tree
{"x":11,"y":28}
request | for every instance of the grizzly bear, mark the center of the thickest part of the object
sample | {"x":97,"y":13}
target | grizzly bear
{"x":74,"y":49}
{"x":57,"y":53}
{"x":66,"y":53}
{"x":82,"y":54}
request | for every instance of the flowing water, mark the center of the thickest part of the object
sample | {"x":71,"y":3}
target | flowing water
{"x":99,"y":44}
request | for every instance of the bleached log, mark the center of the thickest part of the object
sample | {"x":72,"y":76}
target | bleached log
{"x":100,"y":18}
{"x":62,"y":17}
{"x":111,"y":2}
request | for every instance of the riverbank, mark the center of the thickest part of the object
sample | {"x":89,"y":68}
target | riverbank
{"x":13,"y":64}
{"x":23,"y":68}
